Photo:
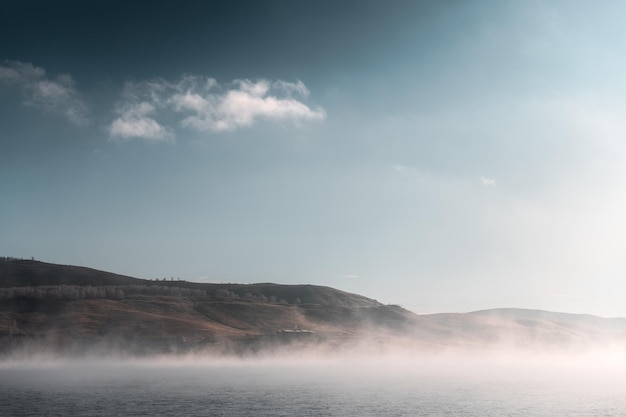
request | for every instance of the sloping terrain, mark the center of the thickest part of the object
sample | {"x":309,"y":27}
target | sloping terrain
{"x":533,"y":329}
{"x":64,"y":307}
{"x":23,"y":273}
{"x":74,"y":309}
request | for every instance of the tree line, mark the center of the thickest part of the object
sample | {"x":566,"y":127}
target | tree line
{"x":80,"y":292}
{"x":119,"y":292}
{"x":12,"y":259}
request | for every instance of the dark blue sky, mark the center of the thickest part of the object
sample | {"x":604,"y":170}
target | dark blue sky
{"x":227,"y":39}
{"x":441,"y":155}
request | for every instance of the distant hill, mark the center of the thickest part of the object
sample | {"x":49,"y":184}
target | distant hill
{"x":534,"y":329}
{"x":71,"y":310}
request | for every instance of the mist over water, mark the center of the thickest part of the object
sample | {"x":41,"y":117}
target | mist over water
{"x":451,"y":383}
{"x":491,"y":363}
{"x":503,"y":362}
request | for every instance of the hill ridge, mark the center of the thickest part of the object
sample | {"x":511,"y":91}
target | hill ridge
{"x":70,"y":309}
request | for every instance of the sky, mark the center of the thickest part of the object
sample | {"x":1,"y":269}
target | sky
{"x":446,"y":156}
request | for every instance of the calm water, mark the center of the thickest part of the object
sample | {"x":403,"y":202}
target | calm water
{"x":313,"y":388}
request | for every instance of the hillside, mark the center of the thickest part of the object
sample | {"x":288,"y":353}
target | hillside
{"x":23,"y":273}
{"x":65,"y":307}
{"x":72,"y":310}
{"x":533,"y":329}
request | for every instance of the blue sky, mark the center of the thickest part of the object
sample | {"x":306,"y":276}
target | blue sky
{"x":445,"y":156}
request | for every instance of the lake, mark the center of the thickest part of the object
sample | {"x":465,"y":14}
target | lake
{"x":389,"y":386}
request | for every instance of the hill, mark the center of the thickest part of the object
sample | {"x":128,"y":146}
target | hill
{"x":71,"y":310}
{"x":23,"y":273}
{"x":533,"y":329}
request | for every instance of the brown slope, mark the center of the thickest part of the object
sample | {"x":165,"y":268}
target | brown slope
{"x":162,"y":323}
{"x":132,"y":314}
{"x":247,"y":312}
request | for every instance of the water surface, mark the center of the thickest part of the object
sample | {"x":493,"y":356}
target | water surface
{"x":340,"y":387}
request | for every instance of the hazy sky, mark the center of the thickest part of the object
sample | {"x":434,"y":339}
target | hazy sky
{"x":442,"y":155}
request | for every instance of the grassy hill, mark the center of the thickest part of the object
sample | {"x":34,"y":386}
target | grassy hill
{"x":68,"y":308}
{"x":71,"y":310}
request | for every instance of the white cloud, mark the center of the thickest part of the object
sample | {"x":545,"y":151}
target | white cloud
{"x":203,"y":105}
{"x":258,"y":89}
{"x":138,"y":127}
{"x":488,"y":182}
{"x":135,"y":122}
{"x":241,"y":108}
{"x":292,"y":88}
{"x":55,"y":96}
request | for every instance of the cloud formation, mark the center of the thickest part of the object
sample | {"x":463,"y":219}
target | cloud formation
{"x":135,"y":121}
{"x":153,"y":110}
{"x":202,"y":104}
{"x":488,"y":182}
{"x":56,"y":96}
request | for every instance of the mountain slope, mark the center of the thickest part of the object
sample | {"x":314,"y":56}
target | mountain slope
{"x":74,"y":309}
{"x":71,"y":307}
